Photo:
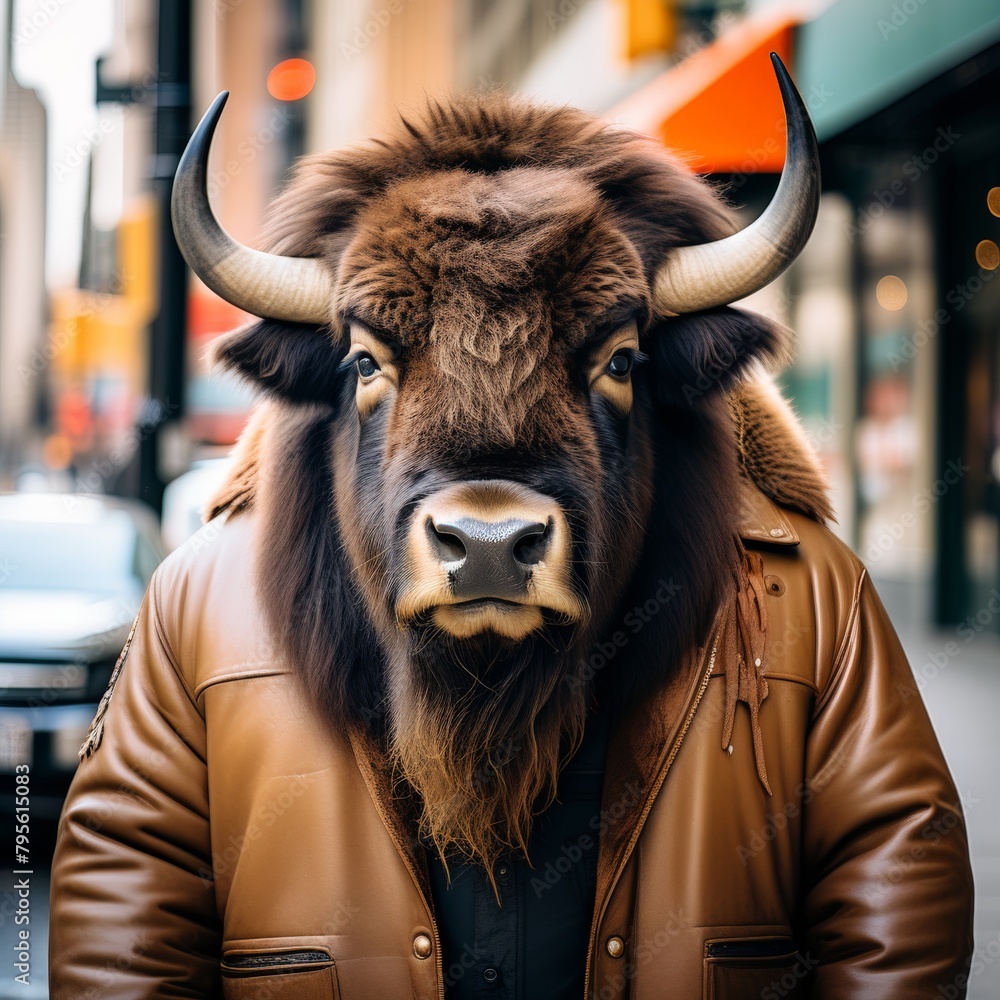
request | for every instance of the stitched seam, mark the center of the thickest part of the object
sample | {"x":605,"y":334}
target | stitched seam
{"x":162,"y":636}
{"x":238,"y":675}
{"x":774,"y":545}
{"x":793,"y":679}
{"x":849,"y":632}
{"x":790,"y":678}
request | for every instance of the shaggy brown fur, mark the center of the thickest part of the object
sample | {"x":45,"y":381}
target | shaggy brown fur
{"x":487,"y":762}
{"x":494,"y":245}
{"x":774,"y":452}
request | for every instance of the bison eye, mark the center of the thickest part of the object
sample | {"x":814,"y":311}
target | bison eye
{"x":367,"y":366}
{"x":620,"y":364}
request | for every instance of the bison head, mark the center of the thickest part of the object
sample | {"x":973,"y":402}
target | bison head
{"x":497,"y":346}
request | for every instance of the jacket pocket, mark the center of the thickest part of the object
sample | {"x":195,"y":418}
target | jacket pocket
{"x":751,"y":968}
{"x":292,"y":974}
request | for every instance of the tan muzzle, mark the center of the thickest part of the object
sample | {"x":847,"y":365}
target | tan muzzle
{"x":489,"y":554}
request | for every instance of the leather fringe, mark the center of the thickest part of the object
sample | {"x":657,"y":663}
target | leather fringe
{"x":95,"y":734}
{"x":746,"y":655}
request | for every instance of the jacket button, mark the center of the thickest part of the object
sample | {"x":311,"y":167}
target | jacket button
{"x":422,"y":946}
{"x":616,"y":947}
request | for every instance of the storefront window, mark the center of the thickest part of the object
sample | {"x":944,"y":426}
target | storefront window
{"x":895,"y":433}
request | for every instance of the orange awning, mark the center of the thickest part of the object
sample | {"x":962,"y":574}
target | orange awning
{"x":720,"y":109}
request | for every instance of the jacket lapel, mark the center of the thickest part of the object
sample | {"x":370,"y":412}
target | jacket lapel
{"x":644,"y":740}
{"x":398,"y":811}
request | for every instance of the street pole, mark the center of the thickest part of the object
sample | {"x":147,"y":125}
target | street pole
{"x":160,"y":424}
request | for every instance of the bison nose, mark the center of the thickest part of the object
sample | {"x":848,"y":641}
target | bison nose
{"x":489,"y":558}
{"x":487,"y":554}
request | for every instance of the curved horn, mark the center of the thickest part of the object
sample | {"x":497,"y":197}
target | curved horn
{"x":297,"y":289}
{"x":715,"y":274}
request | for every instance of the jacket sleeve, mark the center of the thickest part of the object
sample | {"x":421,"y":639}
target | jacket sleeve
{"x":132,"y":898}
{"x":888,"y":894}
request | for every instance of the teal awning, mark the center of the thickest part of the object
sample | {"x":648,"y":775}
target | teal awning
{"x":860,"y":56}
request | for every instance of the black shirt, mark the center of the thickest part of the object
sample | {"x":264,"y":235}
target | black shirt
{"x":534,"y":944}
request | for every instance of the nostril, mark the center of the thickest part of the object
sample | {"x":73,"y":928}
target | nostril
{"x":446,"y":542}
{"x":531,"y":543}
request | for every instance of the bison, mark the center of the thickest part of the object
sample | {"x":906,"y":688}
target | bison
{"x":519,"y":507}
{"x":506,"y":339}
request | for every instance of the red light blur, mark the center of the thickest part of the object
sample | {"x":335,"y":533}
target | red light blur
{"x":291,"y":79}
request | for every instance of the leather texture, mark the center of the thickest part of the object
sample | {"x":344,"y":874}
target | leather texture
{"x":222,"y":818}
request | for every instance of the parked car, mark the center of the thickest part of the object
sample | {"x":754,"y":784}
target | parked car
{"x":73,"y":570}
{"x":185,"y":498}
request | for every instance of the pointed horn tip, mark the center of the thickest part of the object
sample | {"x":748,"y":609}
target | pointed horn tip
{"x":213,"y":113}
{"x":791,"y":98}
{"x":677,"y":294}
{"x":200,"y":139}
{"x":219,"y":103}
{"x":781,"y":71}
{"x":267,"y":285}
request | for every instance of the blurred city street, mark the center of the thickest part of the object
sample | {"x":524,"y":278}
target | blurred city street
{"x":115,"y":430}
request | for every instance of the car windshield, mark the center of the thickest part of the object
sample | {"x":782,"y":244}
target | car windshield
{"x":47,"y":555}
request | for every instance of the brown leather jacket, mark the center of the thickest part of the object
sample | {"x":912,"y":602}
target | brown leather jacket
{"x":221,"y":819}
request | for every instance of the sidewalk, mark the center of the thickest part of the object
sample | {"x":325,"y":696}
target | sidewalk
{"x":959,"y":677}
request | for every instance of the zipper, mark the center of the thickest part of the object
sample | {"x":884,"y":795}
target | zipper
{"x":439,"y":958}
{"x":752,"y":948}
{"x":650,"y":799}
{"x":266,"y":961}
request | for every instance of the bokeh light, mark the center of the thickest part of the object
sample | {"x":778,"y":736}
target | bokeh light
{"x":988,"y":255}
{"x":57,"y":451}
{"x":891,"y":292}
{"x":993,"y":200}
{"x":291,"y":79}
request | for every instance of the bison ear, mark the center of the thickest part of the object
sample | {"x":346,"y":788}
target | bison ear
{"x":701,"y":354}
{"x":296,"y":362}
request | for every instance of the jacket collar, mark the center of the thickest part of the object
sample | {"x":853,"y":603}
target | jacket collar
{"x":762,"y":520}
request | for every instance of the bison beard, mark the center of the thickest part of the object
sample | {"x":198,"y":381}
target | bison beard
{"x":480,"y":728}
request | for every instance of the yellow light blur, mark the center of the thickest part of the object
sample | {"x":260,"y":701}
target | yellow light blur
{"x":988,"y":255}
{"x":891,"y":292}
{"x":650,"y":27}
{"x":993,"y":200}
